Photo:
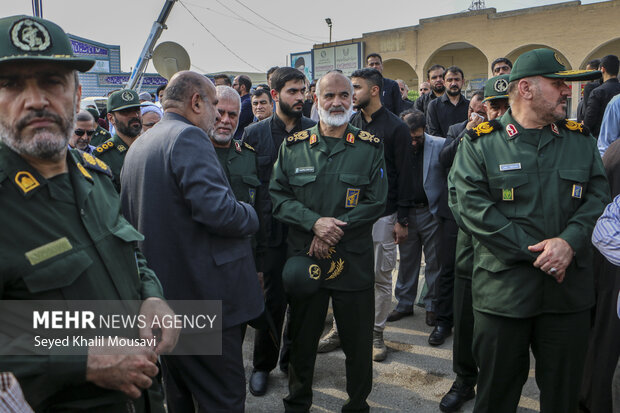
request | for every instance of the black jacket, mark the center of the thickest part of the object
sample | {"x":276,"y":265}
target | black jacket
{"x":391,"y":97}
{"x":441,"y":114}
{"x":587,"y":89}
{"x":422,"y":102}
{"x":597,"y":102}
{"x":447,"y":154}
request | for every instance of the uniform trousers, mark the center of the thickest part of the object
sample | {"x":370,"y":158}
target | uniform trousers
{"x":213,"y":384}
{"x":501,"y":348}
{"x":266,"y":347}
{"x":385,"y":251}
{"x":423,"y":232}
{"x":354,"y":311}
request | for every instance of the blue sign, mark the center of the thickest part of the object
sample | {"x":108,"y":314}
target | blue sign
{"x":81,"y":48}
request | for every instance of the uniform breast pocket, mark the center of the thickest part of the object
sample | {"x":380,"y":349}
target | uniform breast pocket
{"x":509,"y":193}
{"x":251,"y":184}
{"x":572,"y":187}
{"x":57,"y":274}
{"x":353,"y":188}
{"x":301,"y":184}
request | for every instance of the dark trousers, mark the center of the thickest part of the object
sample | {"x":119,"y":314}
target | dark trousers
{"x":463,"y":362}
{"x":213,"y":384}
{"x":354,"y":313}
{"x":444,"y":286}
{"x":266,"y":347}
{"x":501,"y":348}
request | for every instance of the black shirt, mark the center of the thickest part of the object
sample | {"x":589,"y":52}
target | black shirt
{"x":422,"y":102}
{"x":418,"y":196}
{"x":441,"y":114}
{"x":279,"y":133}
{"x":395,"y":134}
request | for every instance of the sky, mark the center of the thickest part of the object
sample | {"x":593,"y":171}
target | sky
{"x":260,"y":33}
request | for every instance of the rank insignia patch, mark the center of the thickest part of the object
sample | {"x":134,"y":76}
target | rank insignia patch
{"x":508,"y":194}
{"x":350,"y":138}
{"x":312,"y":139}
{"x":577,"y":191}
{"x":511,"y":130}
{"x":555,"y":129}
{"x":237,"y":147}
{"x":353,"y":196}
{"x":252,"y":193}
{"x":26,"y":182}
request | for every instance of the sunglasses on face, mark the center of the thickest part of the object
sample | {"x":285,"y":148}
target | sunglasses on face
{"x":81,"y":132}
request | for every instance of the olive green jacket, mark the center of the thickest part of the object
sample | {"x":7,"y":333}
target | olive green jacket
{"x":100,"y":136}
{"x":350,"y":184}
{"x":515,"y":187}
{"x":113,"y":152}
{"x":40,"y":259}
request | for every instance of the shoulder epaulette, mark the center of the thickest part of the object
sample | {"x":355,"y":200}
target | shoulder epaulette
{"x":250,"y":147}
{"x":574,"y":126}
{"x":297,"y":137}
{"x":483,"y":129}
{"x":96,"y":164}
{"x":368,"y":138}
{"x":105,"y":146}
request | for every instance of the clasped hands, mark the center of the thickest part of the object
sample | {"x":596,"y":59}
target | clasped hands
{"x":327,"y":233}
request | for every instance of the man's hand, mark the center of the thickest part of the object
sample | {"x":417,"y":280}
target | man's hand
{"x":129,"y":371}
{"x":555,"y":258}
{"x":474,"y":121}
{"x":328,"y":229}
{"x":166,"y":337}
{"x":319,"y":248}
{"x":400,"y":233}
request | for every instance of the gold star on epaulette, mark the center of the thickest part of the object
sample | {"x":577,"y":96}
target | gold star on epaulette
{"x":368,"y":138}
{"x":297,"y":137}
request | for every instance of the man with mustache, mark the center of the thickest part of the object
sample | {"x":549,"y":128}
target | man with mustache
{"x":450,"y":108}
{"x":124,"y":114}
{"x":529,"y":188}
{"x":63,"y":236}
{"x":288,"y":88}
{"x":84,"y":129}
{"x":434,"y":75}
{"x":262,"y":104}
{"x":329,"y":185}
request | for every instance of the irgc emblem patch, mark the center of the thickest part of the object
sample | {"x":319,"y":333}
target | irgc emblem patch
{"x":30,"y":36}
{"x":500,"y":85}
{"x":353,"y":197}
{"x":127,"y":96}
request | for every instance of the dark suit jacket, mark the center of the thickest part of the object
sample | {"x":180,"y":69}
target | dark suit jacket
{"x":258,"y":135}
{"x":597,"y":102}
{"x":391,"y":97}
{"x":197,"y":236}
{"x":447,"y":154}
{"x":587,"y":89}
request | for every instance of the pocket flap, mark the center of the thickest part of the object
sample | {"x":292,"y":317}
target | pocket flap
{"x":508,"y":181}
{"x":490,"y":263}
{"x":301,"y":180}
{"x":60,"y":273}
{"x":576,"y":175}
{"x":127,"y":233}
{"x":352,"y":179}
{"x":251,"y":180}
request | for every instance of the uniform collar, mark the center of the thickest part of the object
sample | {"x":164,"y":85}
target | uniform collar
{"x":20,"y":173}
{"x":316,"y":141}
{"x":513,"y":130}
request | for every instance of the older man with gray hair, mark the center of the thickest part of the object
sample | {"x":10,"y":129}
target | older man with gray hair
{"x":85,"y":128}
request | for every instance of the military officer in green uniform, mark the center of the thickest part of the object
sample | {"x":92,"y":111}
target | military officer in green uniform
{"x":529,"y":188}
{"x":101,"y":135}
{"x":124,"y":113}
{"x":63,"y":237}
{"x":240,"y":164}
{"x":329,"y":185}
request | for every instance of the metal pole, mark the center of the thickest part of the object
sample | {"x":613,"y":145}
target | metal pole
{"x":147,"y":52}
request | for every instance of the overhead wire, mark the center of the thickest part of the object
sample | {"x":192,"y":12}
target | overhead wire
{"x":218,"y":40}
{"x":278,"y":26}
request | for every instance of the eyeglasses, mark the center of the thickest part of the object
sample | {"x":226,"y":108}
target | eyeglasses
{"x":81,"y":132}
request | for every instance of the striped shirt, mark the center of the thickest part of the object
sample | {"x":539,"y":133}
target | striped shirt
{"x":606,"y":236}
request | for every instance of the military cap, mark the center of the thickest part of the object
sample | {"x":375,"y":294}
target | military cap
{"x":496,"y":88}
{"x":123,"y":99}
{"x":94,"y":112}
{"x":547,"y":63}
{"x":303,"y":275}
{"x":26,"y":38}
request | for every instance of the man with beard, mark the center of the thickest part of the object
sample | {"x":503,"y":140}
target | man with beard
{"x":266,"y":136}
{"x":449,"y":109}
{"x":373,"y":117}
{"x":390,"y":92}
{"x":124,"y":114}
{"x":529,"y":188}
{"x":435,"y":79}
{"x":63,"y":237}
{"x":198,"y":237}
{"x":329,"y":185}
{"x":84,"y":129}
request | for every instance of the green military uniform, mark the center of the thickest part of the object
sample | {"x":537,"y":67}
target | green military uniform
{"x":64,"y":239}
{"x":113,"y":152}
{"x":515,"y":187}
{"x":100,"y":136}
{"x":240,"y":165}
{"x":344,"y":177}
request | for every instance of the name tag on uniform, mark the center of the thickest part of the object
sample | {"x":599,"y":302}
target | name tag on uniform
{"x":510,"y":167}
{"x":49,"y":250}
{"x":577,"y":191}
{"x":508,"y":194}
{"x":353,"y":196}
{"x":304,"y":170}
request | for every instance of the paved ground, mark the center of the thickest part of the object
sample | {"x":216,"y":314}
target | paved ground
{"x":413,"y":378}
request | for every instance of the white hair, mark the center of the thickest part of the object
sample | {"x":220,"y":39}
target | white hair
{"x":226,"y":92}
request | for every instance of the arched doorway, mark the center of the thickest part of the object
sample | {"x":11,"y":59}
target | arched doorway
{"x":468,"y":58}
{"x":519,"y":51}
{"x":399,"y":69}
{"x":609,"y":47}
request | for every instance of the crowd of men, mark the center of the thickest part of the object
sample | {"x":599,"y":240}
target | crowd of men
{"x":281,"y":198}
